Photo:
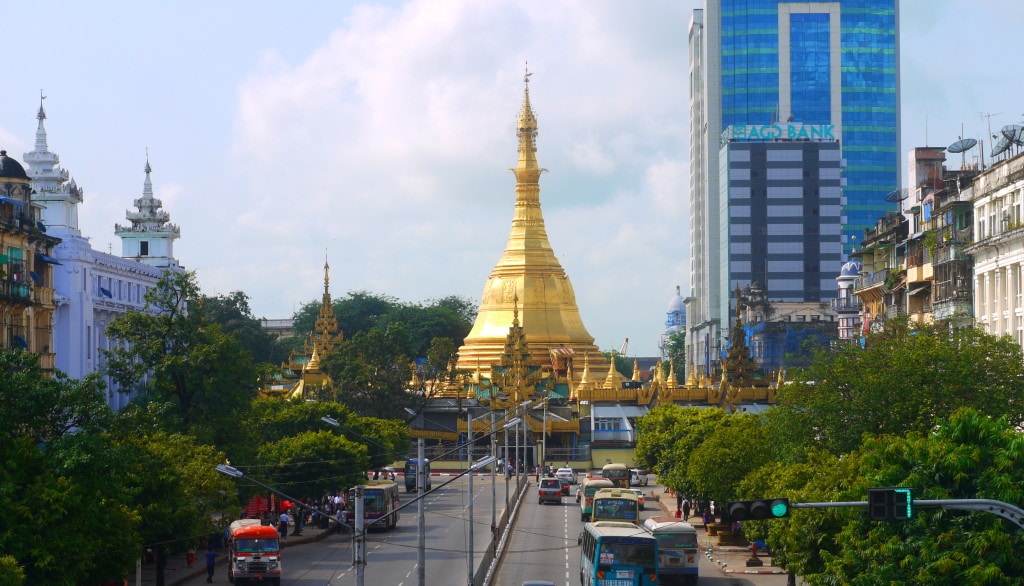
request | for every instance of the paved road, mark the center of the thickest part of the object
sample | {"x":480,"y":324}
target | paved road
{"x":392,"y":555}
{"x":543,"y":546}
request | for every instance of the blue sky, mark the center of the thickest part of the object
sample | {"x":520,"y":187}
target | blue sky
{"x":380,"y":134}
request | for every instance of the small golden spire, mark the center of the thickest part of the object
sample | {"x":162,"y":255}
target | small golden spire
{"x":636,"y":370}
{"x":527,"y":171}
{"x":585,"y":377}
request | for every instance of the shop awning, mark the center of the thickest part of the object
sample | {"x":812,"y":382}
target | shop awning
{"x":48,"y":259}
{"x":11,"y":200}
{"x":917,"y":290}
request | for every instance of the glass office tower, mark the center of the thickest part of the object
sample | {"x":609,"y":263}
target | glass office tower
{"x":756,"y":63}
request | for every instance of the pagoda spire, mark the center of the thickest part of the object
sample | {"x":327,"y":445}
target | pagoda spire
{"x":325,"y":332}
{"x":528,"y":271}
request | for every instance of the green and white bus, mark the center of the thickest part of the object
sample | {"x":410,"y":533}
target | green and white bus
{"x":617,"y":554}
{"x":616,"y":504}
{"x":586,"y":495}
{"x":677,"y":549}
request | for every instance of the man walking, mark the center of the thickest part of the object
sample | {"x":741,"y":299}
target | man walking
{"x":282,"y":524}
{"x":211,"y":560}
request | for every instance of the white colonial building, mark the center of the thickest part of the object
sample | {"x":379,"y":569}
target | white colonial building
{"x":93,"y":287}
{"x":998,"y":248}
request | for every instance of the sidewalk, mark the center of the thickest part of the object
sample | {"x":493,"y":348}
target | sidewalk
{"x":729,"y":559}
{"x":177,"y":571}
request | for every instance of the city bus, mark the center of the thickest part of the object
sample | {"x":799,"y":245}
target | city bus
{"x":587,"y":491}
{"x":617,"y":553}
{"x":677,"y":549}
{"x":410,"y":474}
{"x":380,"y":504}
{"x":616,"y":504}
{"x":617,"y":473}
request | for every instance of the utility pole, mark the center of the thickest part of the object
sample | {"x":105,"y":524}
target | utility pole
{"x":421,"y":534}
{"x":359,"y":551}
{"x":469,"y":505}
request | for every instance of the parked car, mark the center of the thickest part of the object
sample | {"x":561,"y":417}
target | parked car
{"x":637,"y":477}
{"x":639,"y":497}
{"x":550,"y":491}
{"x":566,"y":473}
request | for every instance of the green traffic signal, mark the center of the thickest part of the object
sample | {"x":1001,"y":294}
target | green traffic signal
{"x":890,"y":504}
{"x":775,"y":508}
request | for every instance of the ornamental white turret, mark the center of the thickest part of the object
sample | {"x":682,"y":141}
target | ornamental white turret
{"x":150,"y":238}
{"x":52,"y":188}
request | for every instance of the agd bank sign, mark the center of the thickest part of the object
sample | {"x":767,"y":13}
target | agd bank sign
{"x":787,"y":131}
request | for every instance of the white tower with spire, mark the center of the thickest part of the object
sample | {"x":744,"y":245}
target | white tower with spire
{"x":151,"y":235}
{"x":92,"y":287}
{"x":52,"y":187}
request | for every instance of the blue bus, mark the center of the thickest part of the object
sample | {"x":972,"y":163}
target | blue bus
{"x":614,"y":553}
{"x":410,"y":474}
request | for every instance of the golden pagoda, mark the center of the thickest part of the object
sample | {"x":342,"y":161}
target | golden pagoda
{"x":301,"y":372}
{"x":529,"y":272}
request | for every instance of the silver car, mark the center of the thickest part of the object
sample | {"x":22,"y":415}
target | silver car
{"x":566,"y":473}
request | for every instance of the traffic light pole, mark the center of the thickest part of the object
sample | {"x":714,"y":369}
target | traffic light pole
{"x":1005,"y":510}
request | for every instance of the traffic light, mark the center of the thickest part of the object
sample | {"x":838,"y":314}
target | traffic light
{"x":759,"y":509}
{"x":890,"y":504}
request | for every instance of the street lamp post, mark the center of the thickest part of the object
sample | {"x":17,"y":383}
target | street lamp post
{"x":469,"y":518}
{"x":421,"y":523}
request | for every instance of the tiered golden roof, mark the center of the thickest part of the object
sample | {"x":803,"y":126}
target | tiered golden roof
{"x":528,"y":271}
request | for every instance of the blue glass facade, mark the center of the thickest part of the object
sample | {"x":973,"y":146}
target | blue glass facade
{"x":764,"y":79}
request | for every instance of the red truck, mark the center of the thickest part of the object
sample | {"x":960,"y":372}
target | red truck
{"x":254,"y":552}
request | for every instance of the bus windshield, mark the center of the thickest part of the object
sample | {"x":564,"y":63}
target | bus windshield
{"x":630,"y":554}
{"x":676,"y":540}
{"x":612,"y":508}
{"x":374,"y":500}
{"x":257,"y":545}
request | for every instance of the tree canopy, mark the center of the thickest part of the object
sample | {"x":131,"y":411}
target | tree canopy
{"x":171,"y":352}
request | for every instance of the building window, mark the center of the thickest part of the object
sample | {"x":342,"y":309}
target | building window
{"x":144,"y":248}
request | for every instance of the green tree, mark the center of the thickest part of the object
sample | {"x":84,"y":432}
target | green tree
{"x":675,"y":352}
{"x":371,"y":372}
{"x":293,"y":454}
{"x":62,"y":486}
{"x":906,"y":377}
{"x":736,"y":447}
{"x":668,"y":435}
{"x":312,"y":464}
{"x":970,"y":455}
{"x":177,"y":492}
{"x":235,"y":317}
{"x":171,"y":352}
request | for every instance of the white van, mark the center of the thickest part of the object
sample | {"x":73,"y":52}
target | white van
{"x":637,"y":477}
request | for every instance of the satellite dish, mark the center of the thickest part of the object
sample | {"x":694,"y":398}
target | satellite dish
{"x":1013,"y":133}
{"x":963,"y":145}
{"x":1000,"y":147}
{"x":897,"y":195}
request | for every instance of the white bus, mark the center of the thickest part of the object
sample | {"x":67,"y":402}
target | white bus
{"x":677,"y":549}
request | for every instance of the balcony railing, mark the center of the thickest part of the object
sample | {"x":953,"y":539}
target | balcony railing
{"x":15,"y":289}
{"x":873,"y":279}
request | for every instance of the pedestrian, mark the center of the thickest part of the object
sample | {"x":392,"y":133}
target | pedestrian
{"x":706,"y":517}
{"x":686,"y":509}
{"x":211,"y":560}
{"x":298,"y":521}
{"x":190,"y":557}
{"x":282,"y":524}
{"x":679,"y":514}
